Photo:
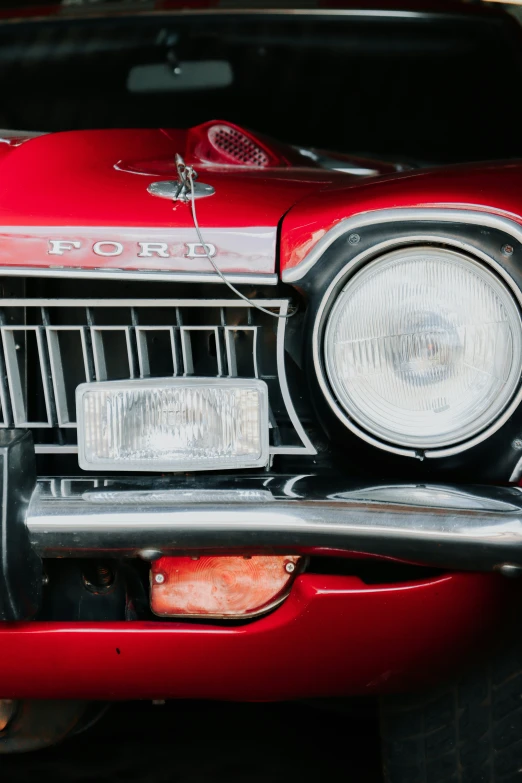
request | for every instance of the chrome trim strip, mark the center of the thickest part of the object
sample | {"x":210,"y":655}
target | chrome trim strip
{"x":309,"y":448}
{"x":335,"y":12}
{"x":516,"y":475}
{"x":122,"y":274}
{"x":379,"y":216}
{"x":127,"y":249}
{"x":476,"y":528}
{"x":231,"y":10}
{"x":135,"y":302}
{"x":50,"y":448}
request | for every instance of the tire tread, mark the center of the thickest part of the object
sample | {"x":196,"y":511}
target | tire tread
{"x":468,"y":731}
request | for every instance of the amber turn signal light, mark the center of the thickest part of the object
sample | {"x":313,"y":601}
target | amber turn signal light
{"x":220,"y":587}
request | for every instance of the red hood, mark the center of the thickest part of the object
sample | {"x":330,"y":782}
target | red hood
{"x":494,"y":187}
{"x":88,"y":189}
{"x":100,"y":178}
{"x":80,"y":200}
{"x":35,"y":8}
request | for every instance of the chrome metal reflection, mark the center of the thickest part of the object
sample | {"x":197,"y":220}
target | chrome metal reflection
{"x":443,"y":526}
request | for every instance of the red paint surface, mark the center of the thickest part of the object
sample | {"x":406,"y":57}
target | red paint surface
{"x":44,"y":8}
{"x":90,"y":187}
{"x":92,"y":183}
{"x":99,"y":179}
{"x":332,"y":636}
{"x":490,"y":187}
{"x":80,"y":178}
{"x":231,"y":586}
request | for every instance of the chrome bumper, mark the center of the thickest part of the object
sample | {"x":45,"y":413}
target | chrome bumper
{"x":473,"y":528}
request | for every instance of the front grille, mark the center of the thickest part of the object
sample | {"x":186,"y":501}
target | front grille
{"x":50,"y":345}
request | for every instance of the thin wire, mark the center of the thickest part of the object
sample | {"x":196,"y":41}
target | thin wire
{"x":189,"y":174}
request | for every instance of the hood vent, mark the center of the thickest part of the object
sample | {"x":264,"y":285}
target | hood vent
{"x":235,"y":147}
{"x":225,"y":144}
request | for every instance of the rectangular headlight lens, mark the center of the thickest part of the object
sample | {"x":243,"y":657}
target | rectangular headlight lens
{"x":173,"y":424}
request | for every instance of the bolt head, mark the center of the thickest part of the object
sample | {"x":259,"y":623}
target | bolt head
{"x":508,"y":250}
{"x":159,"y":579}
{"x":290,"y":568}
{"x":354,"y":239}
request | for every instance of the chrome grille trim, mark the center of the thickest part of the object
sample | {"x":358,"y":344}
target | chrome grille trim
{"x":64,"y":417}
{"x":19,"y":398}
{"x":231,"y":349}
{"x":138,"y":274}
{"x":93,"y":330}
{"x":99,"y":353}
{"x":186,"y":348}
{"x":143,"y":350}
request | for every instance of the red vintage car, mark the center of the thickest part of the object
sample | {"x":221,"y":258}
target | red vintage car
{"x":261,"y":402}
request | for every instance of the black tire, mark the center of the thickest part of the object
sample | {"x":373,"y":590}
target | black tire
{"x":468,"y":731}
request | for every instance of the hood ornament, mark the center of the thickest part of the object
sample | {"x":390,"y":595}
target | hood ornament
{"x":181,"y":189}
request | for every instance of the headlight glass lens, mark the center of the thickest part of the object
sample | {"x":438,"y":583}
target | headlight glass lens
{"x":423,"y":347}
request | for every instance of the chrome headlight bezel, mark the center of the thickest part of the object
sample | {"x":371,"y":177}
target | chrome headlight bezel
{"x":327,"y":303}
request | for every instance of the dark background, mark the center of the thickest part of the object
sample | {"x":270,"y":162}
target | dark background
{"x":432,"y":88}
{"x":206,"y":742}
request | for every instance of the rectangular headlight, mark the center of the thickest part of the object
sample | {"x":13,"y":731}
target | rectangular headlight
{"x":173,"y":424}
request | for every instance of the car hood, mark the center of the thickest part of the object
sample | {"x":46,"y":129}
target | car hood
{"x":80,"y":199}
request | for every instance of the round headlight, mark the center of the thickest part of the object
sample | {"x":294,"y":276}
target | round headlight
{"x":423,"y":348}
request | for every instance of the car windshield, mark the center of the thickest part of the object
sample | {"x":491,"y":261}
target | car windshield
{"x":431,"y":88}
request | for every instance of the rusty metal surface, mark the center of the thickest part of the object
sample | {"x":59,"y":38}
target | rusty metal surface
{"x":220,"y":587}
{"x":191,"y":742}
